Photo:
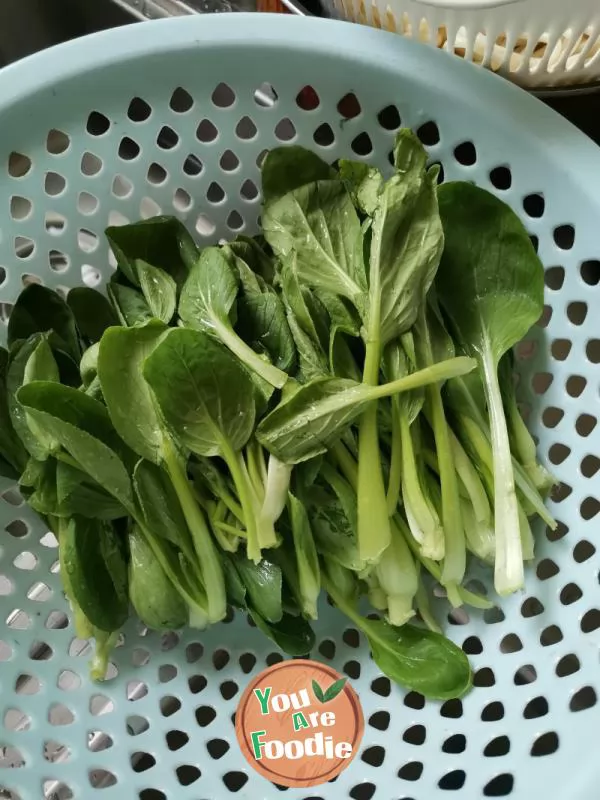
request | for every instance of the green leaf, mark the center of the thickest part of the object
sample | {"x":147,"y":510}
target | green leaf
{"x":253,"y":255}
{"x":206,"y":302}
{"x":154,"y":598}
{"x":92,"y":311}
{"x":160,"y":505}
{"x":122,"y":354}
{"x":415,"y":658}
{"x":304,"y":425}
{"x":332,"y":691}
{"x":318,"y":692}
{"x":291,"y":634}
{"x":82,"y":426}
{"x":491,"y":285}
{"x":77,"y":493}
{"x":407,"y":242}
{"x":263,"y":324}
{"x":205,"y":394}
{"x":288,"y":168}
{"x":162,"y":242}
{"x":364,"y":184}
{"x":97,"y":572}
{"x":40,"y":310}
{"x":236,"y":591}
{"x":88,"y":366}
{"x":11,"y":447}
{"x":44,"y":498}
{"x":263,"y":583}
{"x":307,"y":560}
{"x":159,"y":290}
{"x":33,"y":360}
{"x":319,"y":222}
{"x":130,"y":305}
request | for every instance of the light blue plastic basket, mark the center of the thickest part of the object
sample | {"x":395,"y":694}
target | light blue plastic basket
{"x":78,"y":152}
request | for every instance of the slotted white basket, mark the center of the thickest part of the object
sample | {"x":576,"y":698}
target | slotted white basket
{"x":175,"y":116}
{"x":536,"y":43}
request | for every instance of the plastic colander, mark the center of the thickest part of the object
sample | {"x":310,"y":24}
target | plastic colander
{"x":174,"y":116}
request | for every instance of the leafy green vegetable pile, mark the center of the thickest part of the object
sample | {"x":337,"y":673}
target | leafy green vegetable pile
{"x":329,"y":404}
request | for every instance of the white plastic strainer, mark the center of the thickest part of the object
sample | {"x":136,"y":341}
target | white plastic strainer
{"x":536,"y":43}
{"x":175,"y":116}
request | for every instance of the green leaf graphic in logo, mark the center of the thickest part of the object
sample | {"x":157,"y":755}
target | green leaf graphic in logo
{"x":318,"y":692}
{"x":331,"y":693}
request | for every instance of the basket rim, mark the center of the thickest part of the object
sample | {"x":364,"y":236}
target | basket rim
{"x":376,"y":49}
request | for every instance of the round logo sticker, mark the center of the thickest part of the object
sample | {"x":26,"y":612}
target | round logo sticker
{"x":299,"y":723}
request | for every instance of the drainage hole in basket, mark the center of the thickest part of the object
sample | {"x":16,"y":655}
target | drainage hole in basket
{"x":374,"y":756}
{"x":235,"y":780}
{"x":352,"y":669}
{"x":166,"y":673}
{"x":220,"y":659}
{"x":176,"y":739}
{"x":53,"y":788}
{"x":285,"y":131}
{"x":100,"y":704}
{"x":121,"y":187}
{"x":534,"y":205}
{"x":592,"y":351}
{"x":362,"y":145}
{"x":564,"y":236}
{"x":472,"y":646}
{"x":246,"y":129}
{"x":26,"y":561}
{"x":68,"y":681}
{"x":590,"y":621}
{"x":60,"y":714}
{"x":152,"y":794}
{"x":411,"y":771}
{"x":57,"y":142}
{"x":91,"y":164}
{"x":501,"y":177}
{"x":97,"y":741}
{"x":56,"y":620}
{"x":101,"y":778}
{"x":197,"y":683}
{"x":323,"y":135}
{"x":229,"y":162}
{"x":380,"y":720}
{"x":590,"y":272}
{"x":18,"y":620}
{"x":560,"y":349}
{"x":20,"y":207}
{"x":492,"y":712}
{"x":453,"y":780}
{"x":546,"y":569}
{"x":589,"y":508}
{"x":182,"y":200}
{"x":138,"y":110}
{"x":228,"y":689}
{"x":536,"y":707}
{"x":455,"y":744}
{"x":500,"y":786}
{"x":205,"y":715}
{"x":466,"y":154}
{"x":156,"y":174}
{"x":585,"y":424}
{"x":484,"y":677}
{"x":545,"y":745}
{"x":551,"y":416}
{"x":382,"y":687}
{"x":452,"y":709}
{"x":554,"y":277}
{"x":363,"y":791}
{"x":308,"y":99}
{"x":389,"y":118}
{"x":217,"y":748}
{"x":525,"y":675}
{"x":429,"y":133}
{"x":135,"y":724}
{"x":24,"y":247}
{"x":349,"y":106}
{"x":169,"y":705}
{"x":577,"y":312}
{"x":56,"y":752}
{"x":128,"y":150}
{"x":265,"y":96}
{"x":97,"y":124}
{"x":327,"y":650}
{"x":40,"y":651}
{"x":141,"y":761}
{"x":16,"y":720}
{"x":18,"y":165}
{"x":223,"y":96}
{"x":249,"y":190}
{"x":181,"y":101}
{"x":273,"y":658}
{"x":167,"y":138}
{"x":499,"y":746}
{"x":416,"y":734}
